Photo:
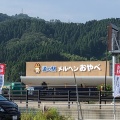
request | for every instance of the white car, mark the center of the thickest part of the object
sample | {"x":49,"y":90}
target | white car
{"x":30,"y":90}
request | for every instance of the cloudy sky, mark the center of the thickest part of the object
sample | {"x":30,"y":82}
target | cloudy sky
{"x":78,"y":11}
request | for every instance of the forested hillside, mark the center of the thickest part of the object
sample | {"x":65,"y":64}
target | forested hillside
{"x":23,"y":38}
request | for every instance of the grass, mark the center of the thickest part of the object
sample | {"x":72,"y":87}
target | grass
{"x":49,"y":114}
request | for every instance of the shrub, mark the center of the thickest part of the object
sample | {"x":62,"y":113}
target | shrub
{"x":108,"y":87}
{"x":104,"y":92}
{"x":49,"y":114}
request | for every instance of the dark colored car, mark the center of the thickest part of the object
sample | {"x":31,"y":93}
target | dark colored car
{"x":8,"y":110}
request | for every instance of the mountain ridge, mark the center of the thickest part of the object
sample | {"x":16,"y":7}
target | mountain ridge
{"x":24,"y":38}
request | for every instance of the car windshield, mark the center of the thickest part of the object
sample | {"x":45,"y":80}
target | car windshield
{"x":2,"y":98}
{"x":30,"y":88}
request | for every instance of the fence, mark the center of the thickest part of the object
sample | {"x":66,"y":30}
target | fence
{"x":58,"y":95}
{"x":94,"y":104}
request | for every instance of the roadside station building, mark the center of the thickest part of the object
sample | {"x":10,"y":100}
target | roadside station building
{"x":85,"y":73}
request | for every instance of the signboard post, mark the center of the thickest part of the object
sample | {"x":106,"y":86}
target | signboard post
{"x":2,"y":72}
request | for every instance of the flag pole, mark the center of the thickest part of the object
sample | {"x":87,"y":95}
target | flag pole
{"x":113,"y":79}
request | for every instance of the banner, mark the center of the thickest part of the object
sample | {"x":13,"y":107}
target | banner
{"x":1,"y":83}
{"x":2,"y":69}
{"x":117,"y":81}
{"x":2,"y":72}
{"x":117,"y":86}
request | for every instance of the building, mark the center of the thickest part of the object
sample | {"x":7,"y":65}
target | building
{"x":84,"y":73}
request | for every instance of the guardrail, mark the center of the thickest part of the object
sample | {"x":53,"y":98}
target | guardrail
{"x":59,"y":95}
{"x":88,"y":110}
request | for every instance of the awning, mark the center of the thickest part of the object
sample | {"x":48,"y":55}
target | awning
{"x":66,"y":80}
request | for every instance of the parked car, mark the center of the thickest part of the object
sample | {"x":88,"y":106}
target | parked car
{"x":8,"y":109}
{"x":18,"y":88}
{"x":30,"y":90}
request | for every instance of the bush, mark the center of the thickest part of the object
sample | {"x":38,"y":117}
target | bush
{"x":108,"y":87}
{"x":104,"y":92}
{"x":49,"y":114}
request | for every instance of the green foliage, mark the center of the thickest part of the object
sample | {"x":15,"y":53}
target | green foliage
{"x":104,"y":92}
{"x":23,"y":38}
{"x":73,"y":57}
{"x":49,"y":114}
{"x":108,"y":87}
